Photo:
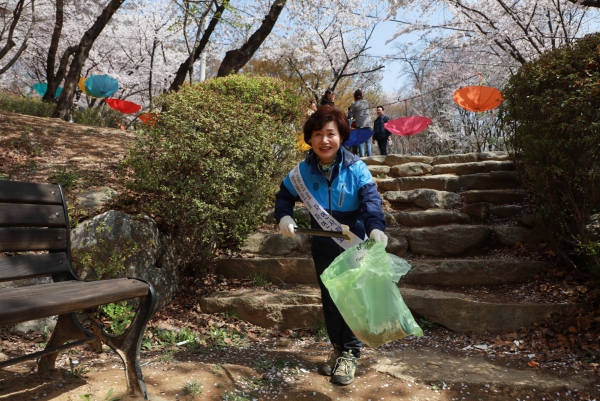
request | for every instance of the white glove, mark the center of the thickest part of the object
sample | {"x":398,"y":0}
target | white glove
{"x":286,"y":226}
{"x":378,"y":235}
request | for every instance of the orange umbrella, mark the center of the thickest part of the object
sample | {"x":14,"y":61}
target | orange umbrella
{"x":148,"y":118}
{"x":478,"y":98}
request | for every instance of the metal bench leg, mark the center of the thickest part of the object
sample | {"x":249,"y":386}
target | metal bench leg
{"x":128,"y":344}
{"x":67,"y":328}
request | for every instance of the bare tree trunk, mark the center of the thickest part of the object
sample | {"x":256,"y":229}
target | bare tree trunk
{"x":51,"y":59}
{"x":235,"y":59}
{"x":184,"y":68}
{"x":81,"y":53}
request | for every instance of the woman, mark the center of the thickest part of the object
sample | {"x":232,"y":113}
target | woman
{"x":360,"y":110}
{"x":344,"y":189}
{"x":328,"y":97}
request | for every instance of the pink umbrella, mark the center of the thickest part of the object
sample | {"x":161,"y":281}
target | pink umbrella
{"x":407,"y":126}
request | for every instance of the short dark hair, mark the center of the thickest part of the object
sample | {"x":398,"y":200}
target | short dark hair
{"x":358,"y":94}
{"x":382,"y":108}
{"x":322,"y":116}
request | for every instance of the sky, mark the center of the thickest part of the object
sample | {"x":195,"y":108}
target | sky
{"x":383,"y":32}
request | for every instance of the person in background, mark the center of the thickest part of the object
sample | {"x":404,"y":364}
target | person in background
{"x":362,"y":117}
{"x":381,"y":135}
{"x":328,"y":97}
{"x":351,"y":124}
{"x":343,"y":186}
{"x":312,"y":107}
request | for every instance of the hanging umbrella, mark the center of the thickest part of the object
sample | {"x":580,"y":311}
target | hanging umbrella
{"x":100,"y":86}
{"x":478,"y":98}
{"x":41,"y":88}
{"x":123,"y":106}
{"x":407,"y":126}
{"x":148,"y":118}
{"x":358,"y":136}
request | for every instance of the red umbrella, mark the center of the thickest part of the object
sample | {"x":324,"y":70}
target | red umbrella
{"x":148,"y":118}
{"x":123,"y":106}
{"x":407,"y":126}
{"x":478,"y":98}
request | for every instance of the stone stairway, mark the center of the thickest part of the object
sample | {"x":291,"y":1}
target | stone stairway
{"x":456,"y":218}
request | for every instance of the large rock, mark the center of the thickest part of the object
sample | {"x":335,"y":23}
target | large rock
{"x":431,"y":217}
{"x":397,"y":243}
{"x":377,"y":170}
{"x":506,"y":210}
{"x":411,"y":169}
{"x":473,"y":168}
{"x":511,"y":235}
{"x":424,"y":198}
{"x":493,"y":180}
{"x":478,"y":212}
{"x":374,"y":160}
{"x":148,"y":253}
{"x":447,"y":240}
{"x":472,"y":272}
{"x":495,"y":195}
{"x":450,"y":159}
{"x":280,"y":310}
{"x":279,"y":270}
{"x":387,"y":184}
{"x":592,"y":227}
{"x":462,"y":313}
{"x":274,"y":244}
{"x":394,"y":160}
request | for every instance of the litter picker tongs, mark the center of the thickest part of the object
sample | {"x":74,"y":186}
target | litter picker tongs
{"x":345,"y":233}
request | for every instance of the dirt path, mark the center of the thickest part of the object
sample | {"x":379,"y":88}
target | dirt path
{"x":276,"y":370}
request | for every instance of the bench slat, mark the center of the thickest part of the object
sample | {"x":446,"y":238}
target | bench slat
{"x":20,"y":215}
{"x":32,"y":239}
{"x":44,"y":300}
{"x":29,"y":192}
{"x":30,"y":266}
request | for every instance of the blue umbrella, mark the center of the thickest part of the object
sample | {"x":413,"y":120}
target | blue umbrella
{"x":41,"y":88}
{"x":358,"y":136}
{"x":101,"y":86}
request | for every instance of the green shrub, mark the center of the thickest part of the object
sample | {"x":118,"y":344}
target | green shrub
{"x":211,"y":164}
{"x":26,"y":105}
{"x":552,"y":111}
{"x":102,"y":116}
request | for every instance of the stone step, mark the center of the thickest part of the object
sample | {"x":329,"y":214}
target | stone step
{"x":444,"y":182}
{"x":423,"y":198}
{"x":449,"y":239}
{"x":491,"y":180}
{"x":431,"y":217}
{"x":301,"y":308}
{"x":441,"y":272}
{"x":470,"y":157}
{"x":474,"y":167}
{"x":411,"y":169}
{"x":497,"y":196}
{"x":472,"y":272}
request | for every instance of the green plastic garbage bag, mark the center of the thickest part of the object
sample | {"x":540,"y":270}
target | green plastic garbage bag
{"x":362,"y":283}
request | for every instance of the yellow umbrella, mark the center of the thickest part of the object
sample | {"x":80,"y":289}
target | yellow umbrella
{"x":302,"y":146}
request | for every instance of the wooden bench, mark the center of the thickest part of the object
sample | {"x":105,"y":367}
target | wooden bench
{"x":33,"y":217}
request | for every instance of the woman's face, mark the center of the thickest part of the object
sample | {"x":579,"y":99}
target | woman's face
{"x":326,"y":142}
{"x":331,"y":96}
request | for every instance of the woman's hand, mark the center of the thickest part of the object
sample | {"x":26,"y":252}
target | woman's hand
{"x":377,"y":236}
{"x":286,"y":226}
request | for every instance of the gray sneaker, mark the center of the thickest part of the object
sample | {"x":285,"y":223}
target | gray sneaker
{"x":327,"y":368}
{"x":344,"y":370}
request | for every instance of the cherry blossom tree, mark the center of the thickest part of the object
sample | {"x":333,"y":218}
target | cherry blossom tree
{"x":17,"y":24}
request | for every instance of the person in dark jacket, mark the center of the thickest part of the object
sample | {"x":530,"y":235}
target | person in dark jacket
{"x":328,"y":97}
{"x":381,"y":135}
{"x":339,"y":185}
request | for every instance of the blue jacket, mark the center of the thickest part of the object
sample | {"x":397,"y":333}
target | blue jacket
{"x":350,"y":196}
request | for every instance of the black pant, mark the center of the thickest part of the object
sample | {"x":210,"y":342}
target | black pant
{"x":382,"y":143}
{"x":339,"y":333}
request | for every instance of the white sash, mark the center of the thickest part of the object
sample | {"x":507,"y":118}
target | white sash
{"x":325,"y":220}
